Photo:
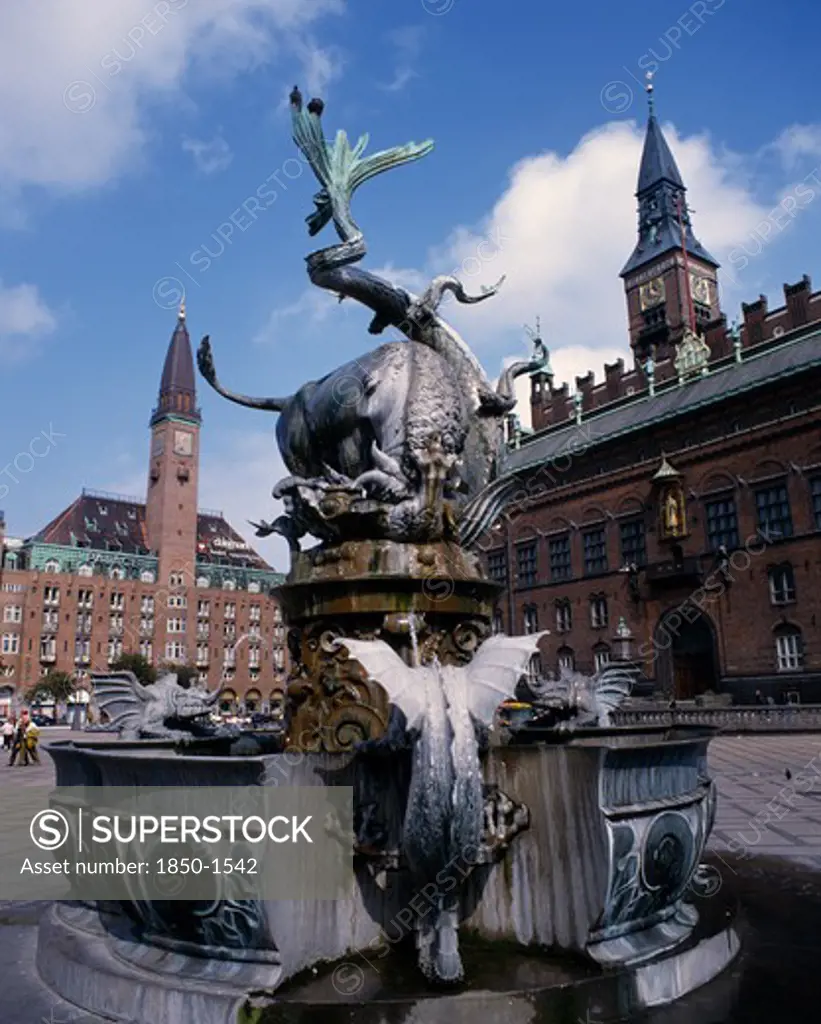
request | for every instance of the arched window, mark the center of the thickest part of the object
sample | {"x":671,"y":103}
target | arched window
{"x":116,"y":572}
{"x":253,"y":699}
{"x":564,"y":615}
{"x":147,"y":576}
{"x":598,"y":611}
{"x":203,"y":581}
{"x":565,"y":659}
{"x":531,"y":618}
{"x":229,"y":585}
{"x":601,"y":657}
{"x":253,"y":587}
{"x":52,"y":565}
{"x":782,"y":584}
{"x":789,"y":648}
{"x":85,"y":570}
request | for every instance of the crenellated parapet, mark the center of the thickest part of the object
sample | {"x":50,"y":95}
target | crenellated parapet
{"x":760,"y":327}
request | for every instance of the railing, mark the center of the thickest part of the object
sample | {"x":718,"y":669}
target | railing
{"x":738,"y":718}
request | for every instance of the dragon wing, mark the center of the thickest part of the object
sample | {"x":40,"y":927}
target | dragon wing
{"x":613,"y":687}
{"x":121,"y":696}
{"x":495,"y":671}
{"x":404,"y":686}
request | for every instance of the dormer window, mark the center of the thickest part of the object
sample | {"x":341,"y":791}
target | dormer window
{"x":103,"y":510}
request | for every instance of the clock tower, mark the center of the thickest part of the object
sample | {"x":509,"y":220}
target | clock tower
{"x":670,"y":280}
{"x":171,"y":502}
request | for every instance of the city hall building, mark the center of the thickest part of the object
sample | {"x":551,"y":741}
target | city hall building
{"x":672,"y":513}
{"x":162,"y":578}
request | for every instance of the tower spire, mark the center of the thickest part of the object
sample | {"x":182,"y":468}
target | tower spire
{"x":648,"y":88}
{"x":178,"y":392}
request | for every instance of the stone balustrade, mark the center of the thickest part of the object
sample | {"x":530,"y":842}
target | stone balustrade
{"x":736,"y":718}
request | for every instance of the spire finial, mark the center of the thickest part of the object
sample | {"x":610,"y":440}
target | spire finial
{"x":649,"y":90}
{"x":181,"y":314}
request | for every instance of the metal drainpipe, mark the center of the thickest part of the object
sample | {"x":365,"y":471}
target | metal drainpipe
{"x":509,"y":559}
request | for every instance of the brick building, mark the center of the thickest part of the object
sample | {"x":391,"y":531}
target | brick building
{"x":112,"y":575}
{"x":673,"y":511}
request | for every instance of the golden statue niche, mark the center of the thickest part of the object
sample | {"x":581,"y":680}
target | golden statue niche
{"x":672,"y":505}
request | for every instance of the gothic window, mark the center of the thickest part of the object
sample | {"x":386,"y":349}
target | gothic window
{"x":497,"y":565}
{"x":147,"y":576}
{"x":52,"y":565}
{"x":560,"y":566}
{"x":531,"y":619}
{"x":564,"y":616}
{"x":789,"y":649}
{"x":598,"y":611}
{"x":722,"y":523}
{"x":595,"y":551}
{"x":565,"y":659}
{"x":527,"y":563}
{"x":782,"y":584}
{"x":601,"y":657}
{"x":116,"y":572}
{"x":176,"y":579}
{"x":815,"y":485}
{"x":773,"y":508}
{"x":633,"y":542}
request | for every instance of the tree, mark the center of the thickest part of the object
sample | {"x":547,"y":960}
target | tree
{"x":136,"y":663}
{"x":186,"y":674}
{"x":55,"y":685}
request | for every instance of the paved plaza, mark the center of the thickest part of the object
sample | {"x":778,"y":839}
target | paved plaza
{"x":761,"y":813}
{"x":769,"y":793}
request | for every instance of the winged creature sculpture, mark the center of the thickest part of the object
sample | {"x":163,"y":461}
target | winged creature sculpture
{"x":445,"y":811}
{"x":163,"y":710}
{"x":575,"y":700}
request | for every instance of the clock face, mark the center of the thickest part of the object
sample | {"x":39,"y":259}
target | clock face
{"x":183,"y":442}
{"x":700,"y":288}
{"x":652,"y":293}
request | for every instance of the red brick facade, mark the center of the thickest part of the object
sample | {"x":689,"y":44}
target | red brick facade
{"x":685,"y":502}
{"x":113,"y":575}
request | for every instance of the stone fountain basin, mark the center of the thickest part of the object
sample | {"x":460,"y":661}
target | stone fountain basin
{"x":619,"y":819}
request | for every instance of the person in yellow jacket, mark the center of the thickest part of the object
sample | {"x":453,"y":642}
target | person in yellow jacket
{"x":32,"y":740}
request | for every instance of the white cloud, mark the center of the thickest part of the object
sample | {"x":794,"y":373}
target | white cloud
{"x":24,"y":320}
{"x":561,"y":232}
{"x":321,"y":65}
{"x":312,"y":307}
{"x":209,"y":157}
{"x":77,"y":75}
{"x":407,"y":46}
{"x":798,"y":141}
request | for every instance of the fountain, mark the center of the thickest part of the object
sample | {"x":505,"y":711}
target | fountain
{"x":551,"y":859}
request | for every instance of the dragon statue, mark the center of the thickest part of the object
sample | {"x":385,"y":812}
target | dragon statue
{"x":404,"y":442}
{"x":575,"y":701}
{"x":164,"y":710}
{"x":444,"y":706}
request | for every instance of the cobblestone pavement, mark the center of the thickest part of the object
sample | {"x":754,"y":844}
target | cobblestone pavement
{"x":761,"y":813}
{"x":761,"y":809}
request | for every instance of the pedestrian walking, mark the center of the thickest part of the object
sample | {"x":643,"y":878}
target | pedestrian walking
{"x":8,"y":733}
{"x":19,"y":747}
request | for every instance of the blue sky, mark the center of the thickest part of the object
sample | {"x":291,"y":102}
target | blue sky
{"x":130,"y":133}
